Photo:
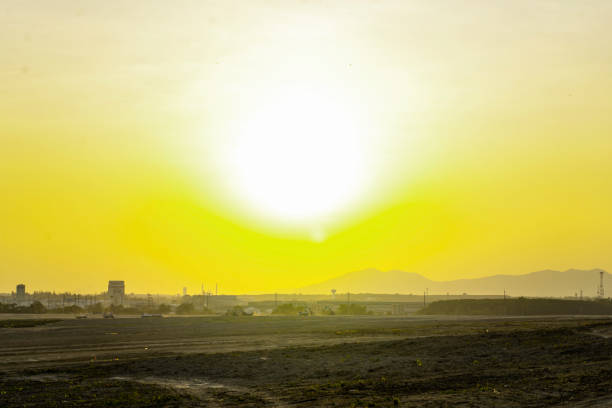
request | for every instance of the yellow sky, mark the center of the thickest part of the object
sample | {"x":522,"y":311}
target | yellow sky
{"x":479,"y":142}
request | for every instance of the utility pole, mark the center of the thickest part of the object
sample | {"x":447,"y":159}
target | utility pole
{"x":348,"y":295}
{"x":504,"y":294}
{"x":424,"y":298}
{"x":216,"y":289}
{"x":275,"y":300}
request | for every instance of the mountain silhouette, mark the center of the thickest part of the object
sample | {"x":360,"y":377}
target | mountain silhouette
{"x":542,"y":283}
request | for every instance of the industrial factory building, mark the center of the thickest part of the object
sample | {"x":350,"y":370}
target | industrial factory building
{"x":116,"y":292}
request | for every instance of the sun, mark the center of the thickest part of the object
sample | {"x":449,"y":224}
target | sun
{"x":299,"y":157}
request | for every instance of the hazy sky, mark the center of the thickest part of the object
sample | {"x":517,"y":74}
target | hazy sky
{"x":267,"y":145}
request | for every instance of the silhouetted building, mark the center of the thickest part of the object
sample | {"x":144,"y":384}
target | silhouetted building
{"x":20,"y":294}
{"x":116,"y":292}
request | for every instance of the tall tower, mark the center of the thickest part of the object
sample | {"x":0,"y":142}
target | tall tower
{"x":600,"y":289}
{"x":20,"y":295}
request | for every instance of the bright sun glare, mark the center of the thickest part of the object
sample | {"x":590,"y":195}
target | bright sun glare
{"x":299,"y":157}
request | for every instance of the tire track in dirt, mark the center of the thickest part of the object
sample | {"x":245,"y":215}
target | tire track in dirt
{"x":203,"y":389}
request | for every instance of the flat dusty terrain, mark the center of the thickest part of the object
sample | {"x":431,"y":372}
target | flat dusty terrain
{"x":309,"y":361}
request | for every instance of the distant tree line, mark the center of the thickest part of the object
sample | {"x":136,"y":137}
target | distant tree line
{"x":36,"y":308}
{"x":288,"y":309}
{"x":98,"y":308}
{"x":352,"y":309}
{"x":191,"y":309}
{"x":518,"y":307}
{"x":237,"y":311}
{"x":291,"y":309}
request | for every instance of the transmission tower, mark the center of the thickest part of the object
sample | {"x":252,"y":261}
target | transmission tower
{"x":600,"y":289}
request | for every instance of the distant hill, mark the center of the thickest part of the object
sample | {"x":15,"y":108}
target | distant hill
{"x":542,"y":283}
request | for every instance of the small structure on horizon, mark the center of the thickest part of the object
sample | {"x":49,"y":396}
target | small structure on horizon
{"x":116,"y":291}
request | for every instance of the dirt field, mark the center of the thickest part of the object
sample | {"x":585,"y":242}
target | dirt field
{"x":310,"y":361}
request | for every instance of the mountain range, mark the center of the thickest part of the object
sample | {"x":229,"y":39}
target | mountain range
{"x":542,"y":283}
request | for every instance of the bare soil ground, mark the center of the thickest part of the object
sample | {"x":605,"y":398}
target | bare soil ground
{"x":313,"y":361}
